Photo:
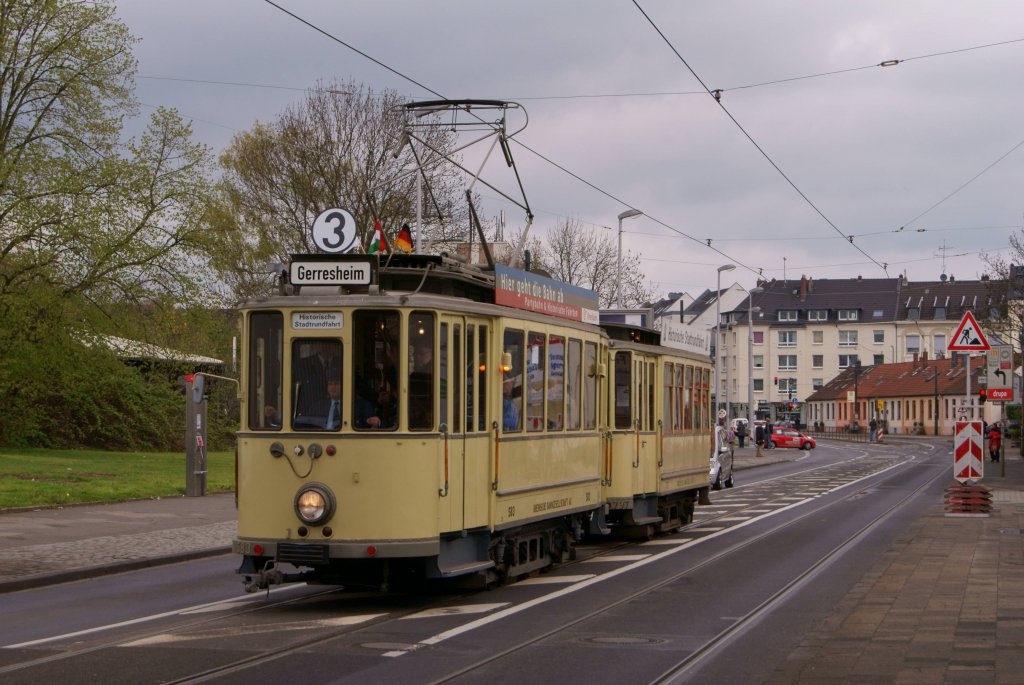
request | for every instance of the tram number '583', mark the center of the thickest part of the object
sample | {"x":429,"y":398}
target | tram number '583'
{"x":334,"y":231}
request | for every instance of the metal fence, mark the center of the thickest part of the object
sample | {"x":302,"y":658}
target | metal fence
{"x":843,"y":433}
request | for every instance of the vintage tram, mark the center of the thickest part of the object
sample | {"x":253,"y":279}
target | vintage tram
{"x":424,"y":418}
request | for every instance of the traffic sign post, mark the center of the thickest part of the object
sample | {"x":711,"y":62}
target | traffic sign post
{"x":968,"y":338}
{"x":968,"y":464}
{"x":999,"y":371}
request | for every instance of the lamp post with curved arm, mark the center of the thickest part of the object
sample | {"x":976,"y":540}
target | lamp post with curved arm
{"x":629,"y":213}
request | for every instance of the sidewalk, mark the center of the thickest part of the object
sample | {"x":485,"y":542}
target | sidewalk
{"x":47,"y":546}
{"x":945,"y":604}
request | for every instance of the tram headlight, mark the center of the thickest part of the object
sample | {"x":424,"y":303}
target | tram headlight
{"x":314,"y":503}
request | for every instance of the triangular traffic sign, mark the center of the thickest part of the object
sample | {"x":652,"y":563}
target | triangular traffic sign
{"x":968,"y":336}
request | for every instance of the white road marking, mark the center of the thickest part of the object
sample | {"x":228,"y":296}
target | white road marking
{"x":616,"y":558}
{"x":456,"y":610}
{"x":143,"y":619}
{"x":236,"y":631}
{"x":555,"y":580}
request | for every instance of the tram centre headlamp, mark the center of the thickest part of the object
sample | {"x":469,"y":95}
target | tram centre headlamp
{"x":314,"y":503}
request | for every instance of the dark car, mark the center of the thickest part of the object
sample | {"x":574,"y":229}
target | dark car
{"x":790,"y":437}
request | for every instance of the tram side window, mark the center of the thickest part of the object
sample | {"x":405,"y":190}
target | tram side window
{"x":640,"y":395}
{"x":705,"y":399}
{"x":678,"y":392}
{"x":667,"y":410}
{"x":374,"y":391}
{"x":266,"y":391}
{"x":623,"y":379}
{"x":482,"y":385}
{"x":421,"y":371}
{"x":690,"y":399}
{"x":590,"y":387}
{"x":556,"y":383}
{"x":573,"y":374}
{"x":512,"y":383}
{"x":649,"y":377}
{"x":535,"y":367}
{"x":316,"y":384}
{"x":471,"y":405}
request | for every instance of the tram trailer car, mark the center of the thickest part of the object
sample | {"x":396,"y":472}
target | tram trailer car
{"x":407,"y":427}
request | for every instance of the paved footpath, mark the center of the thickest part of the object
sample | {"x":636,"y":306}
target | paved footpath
{"x":945,"y":604}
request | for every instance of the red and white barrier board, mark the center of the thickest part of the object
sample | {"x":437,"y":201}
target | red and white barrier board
{"x":968,"y":443}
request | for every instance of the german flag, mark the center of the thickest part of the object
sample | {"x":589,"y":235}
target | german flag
{"x":404,"y":240}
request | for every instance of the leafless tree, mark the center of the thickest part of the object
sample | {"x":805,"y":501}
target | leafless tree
{"x":582,"y":256}
{"x":341,"y":146}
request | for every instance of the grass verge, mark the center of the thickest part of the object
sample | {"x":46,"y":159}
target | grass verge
{"x":47,"y":478}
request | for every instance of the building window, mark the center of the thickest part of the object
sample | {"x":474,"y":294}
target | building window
{"x":787,"y":338}
{"x":787,"y":385}
{"x":816,"y":383}
{"x":940,"y":313}
{"x":940,"y":344}
{"x":879,"y":359}
{"x":847,"y":360}
{"x":847,"y":314}
{"x":817,"y":315}
{"x":913,"y":343}
{"x":847,"y":338}
{"x":879,"y":336}
{"x":759,"y":337}
{"x":787,"y":362}
{"x":787,"y":315}
{"x":817,"y":337}
{"x":758,"y":361}
{"x":758,"y":385}
{"x":878,"y":313}
{"x":913,"y":313}
{"x":817,"y":361}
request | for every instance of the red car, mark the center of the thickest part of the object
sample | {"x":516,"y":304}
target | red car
{"x":790,"y":437}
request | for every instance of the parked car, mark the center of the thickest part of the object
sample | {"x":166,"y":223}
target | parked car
{"x":790,"y":437}
{"x":721,"y":461}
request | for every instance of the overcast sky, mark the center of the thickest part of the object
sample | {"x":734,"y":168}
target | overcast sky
{"x":873,"y":148}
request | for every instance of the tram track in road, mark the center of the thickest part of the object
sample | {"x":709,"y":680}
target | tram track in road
{"x":780,"y":503}
{"x":720,"y":640}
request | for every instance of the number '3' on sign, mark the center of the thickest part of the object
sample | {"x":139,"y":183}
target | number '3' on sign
{"x":334,"y":230}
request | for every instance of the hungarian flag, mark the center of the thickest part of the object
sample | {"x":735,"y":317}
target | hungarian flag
{"x":404,"y":240}
{"x":379,"y":245}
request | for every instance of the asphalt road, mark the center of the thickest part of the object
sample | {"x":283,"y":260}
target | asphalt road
{"x":722,"y":601}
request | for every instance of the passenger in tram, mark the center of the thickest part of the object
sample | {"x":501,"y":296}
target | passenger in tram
{"x":509,"y":410}
{"x":375,"y":409}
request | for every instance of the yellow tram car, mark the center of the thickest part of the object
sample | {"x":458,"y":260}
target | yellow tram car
{"x":402,"y":425}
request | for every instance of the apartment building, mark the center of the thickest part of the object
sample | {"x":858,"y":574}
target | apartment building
{"x":793,"y":337}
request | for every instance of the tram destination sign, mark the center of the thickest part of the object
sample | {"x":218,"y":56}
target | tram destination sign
{"x":525,"y":290}
{"x":334,"y":269}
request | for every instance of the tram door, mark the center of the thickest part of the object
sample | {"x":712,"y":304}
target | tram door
{"x":645,"y":475}
{"x":465,"y":384}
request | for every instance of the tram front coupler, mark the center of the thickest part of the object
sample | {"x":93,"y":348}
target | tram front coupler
{"x":264,"y":578}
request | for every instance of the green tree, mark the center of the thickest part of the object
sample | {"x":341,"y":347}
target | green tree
{"x":91,"y":225}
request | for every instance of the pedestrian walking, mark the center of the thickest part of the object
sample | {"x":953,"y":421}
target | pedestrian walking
{"x":769,"y":430}
{"x":873,"y":427}
{"x":995,"y":441}
{"x":741,"y":432}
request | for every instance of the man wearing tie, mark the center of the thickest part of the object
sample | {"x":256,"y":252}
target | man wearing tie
{"x":334,"y":391}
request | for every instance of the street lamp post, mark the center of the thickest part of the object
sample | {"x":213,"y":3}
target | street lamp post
{"x":629,"y":213}
{"x":718,"y":333}
{"x":751,"y":309}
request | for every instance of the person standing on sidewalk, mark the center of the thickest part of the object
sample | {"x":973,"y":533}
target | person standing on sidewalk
{"x":995,"y":441}
{"x":873,"y":427}
{"x":741,"y":432}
